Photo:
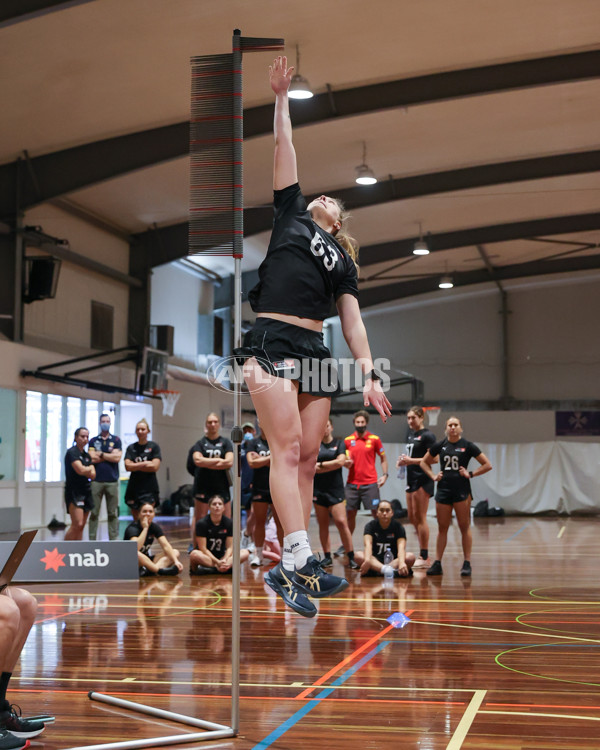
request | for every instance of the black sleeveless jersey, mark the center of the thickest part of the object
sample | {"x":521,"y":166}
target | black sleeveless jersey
{"x":330,"y":481}
{"x":261,"y":475}
{"x":305,"y":269}
{"x":452,"y":457}
{"x":417,"y":445}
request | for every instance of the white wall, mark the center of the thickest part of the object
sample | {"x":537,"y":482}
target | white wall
{"x":178,"y":296}
{"x":452,"y":340}
{"x":64,"y":323}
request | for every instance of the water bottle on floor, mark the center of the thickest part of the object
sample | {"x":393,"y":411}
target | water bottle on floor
{"x":388,"y":571}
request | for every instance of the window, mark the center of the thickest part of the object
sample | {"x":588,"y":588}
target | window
{"x":33,"y":436}
{"x":54,"y":422}
{"x":50,"y":424}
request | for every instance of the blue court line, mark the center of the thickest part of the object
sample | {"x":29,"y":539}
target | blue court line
{"x":301,"y":713}
{"x":518,"y":532}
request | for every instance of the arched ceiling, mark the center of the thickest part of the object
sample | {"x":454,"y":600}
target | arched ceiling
{"x":482,"y":122}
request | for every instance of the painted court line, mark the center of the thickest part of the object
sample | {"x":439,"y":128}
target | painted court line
{"x":518,"y":532}
{"x":561,"y":532}
{"x":549,"y":716}
{"x":464,"y":725}
{"x":347,"y":660}
{"x":308,"y":707}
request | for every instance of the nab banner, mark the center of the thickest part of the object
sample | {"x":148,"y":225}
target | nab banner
{"x":75,"y":561}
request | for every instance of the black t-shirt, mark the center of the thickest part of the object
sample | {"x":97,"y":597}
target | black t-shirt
{"x":135,"y":529}
{"x":305,"y":268}
{"x":75,"y":484}
{"x":384,"y":537}
{"x":261,"y":475}
{"x":216,"y":536}
{"x":452,"y":457}
{"x":330,"y":481}
{"x":142,"y":484}
{"x":212,"y":481}
{"x":417,"y":445}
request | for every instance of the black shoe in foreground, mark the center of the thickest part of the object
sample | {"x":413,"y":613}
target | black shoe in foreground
{"x":435,"y":569}
{"x":172,"y":570}
{"x":326,"y":561}
{"x":12,"y":722}
{"x":340,"y":552}
{"x":313,"y":580}
{"x":282,"y":584}
{"x":201,"y":570}
{"x":8,"y":741}
{"x":353,"y":565}
{"x":465,"y":571}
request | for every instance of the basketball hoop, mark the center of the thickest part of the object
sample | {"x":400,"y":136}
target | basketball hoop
{"x":169,"y":401}
{"x":432,"y":412}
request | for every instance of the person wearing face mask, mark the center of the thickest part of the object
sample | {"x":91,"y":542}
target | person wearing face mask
{"x":106,"y":451}
{"x":363,"y":485}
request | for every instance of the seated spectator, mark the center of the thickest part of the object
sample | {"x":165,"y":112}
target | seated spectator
{"x":213,"y":539}
{"x":382,"y":532}
{"x":17,"y":614}
{"x":144,"y":531}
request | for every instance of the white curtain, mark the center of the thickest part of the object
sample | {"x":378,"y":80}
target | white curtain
{"x":560,"y":476}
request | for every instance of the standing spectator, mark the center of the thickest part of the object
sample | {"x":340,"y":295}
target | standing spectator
{"x":363,"y":484}
{"x":247,"y":476}
{"x":329,"y":495}
{"x":259,"y":459}
{"x":213,"y":457}
{"x":142,"y":459}
{"x":419,"y":487}
{"x":79,"y":473}
{"x":453,"y":489}
{"x":106,"y":451}
{"x":213,"y":551}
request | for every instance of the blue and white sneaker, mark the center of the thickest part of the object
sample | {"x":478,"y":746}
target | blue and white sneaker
{"x":313,"y":580}
{"x":282,"y":584}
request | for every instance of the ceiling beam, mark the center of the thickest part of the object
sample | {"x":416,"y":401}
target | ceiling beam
{"x":391,"y":292}
{"x":16,"y":11}
{"x":63,"y":172}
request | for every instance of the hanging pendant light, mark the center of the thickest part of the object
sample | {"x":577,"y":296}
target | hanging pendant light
{"x":299,"y":86}
{"x":420,"y":247}
{"x":365,"y":175}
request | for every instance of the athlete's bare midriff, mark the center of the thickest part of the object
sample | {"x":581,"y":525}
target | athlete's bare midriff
{"x":312,"y":325}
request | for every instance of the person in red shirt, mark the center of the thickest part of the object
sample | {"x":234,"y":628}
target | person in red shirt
{"x":363,"y":484}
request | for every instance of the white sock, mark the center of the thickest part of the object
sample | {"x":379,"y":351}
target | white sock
{"x":259,"y":553}
{"x":287,"y":559}
{"x":298,"y":542}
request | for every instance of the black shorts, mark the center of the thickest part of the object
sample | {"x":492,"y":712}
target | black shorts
{"x":82,"y":500}
{"x":327,"y":499}
{"x":451,"y":495}
{"x":204,"y":497}
{"x":424,"y":481}
{"x":292,"y":352}
{"x":262,"y":496}
{"x":136,"y":502}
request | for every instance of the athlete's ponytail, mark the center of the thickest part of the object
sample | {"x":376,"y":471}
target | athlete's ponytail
{"x":346,"y":240}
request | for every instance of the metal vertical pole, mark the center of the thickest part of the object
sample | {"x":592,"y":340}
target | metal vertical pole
{"x":238,"y":250}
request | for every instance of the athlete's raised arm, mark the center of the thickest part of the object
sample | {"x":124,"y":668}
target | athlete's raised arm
{"x":284,"y":167}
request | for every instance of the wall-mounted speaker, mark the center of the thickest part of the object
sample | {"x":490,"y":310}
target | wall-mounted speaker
{"x":41,"y":277}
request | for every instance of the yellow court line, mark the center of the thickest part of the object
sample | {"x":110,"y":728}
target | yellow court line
{"x":561,"y":532}
{"x":548,"y":716}
{"x":505,"y":630}
{"x":464,"y":725}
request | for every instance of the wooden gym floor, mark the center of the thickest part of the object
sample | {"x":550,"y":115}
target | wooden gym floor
{"x":509,"y":659}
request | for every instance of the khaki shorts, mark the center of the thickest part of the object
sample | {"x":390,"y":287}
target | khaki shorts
{"x":367,"y":494}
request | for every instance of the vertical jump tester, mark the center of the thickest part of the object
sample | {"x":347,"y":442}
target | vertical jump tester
{"x":216,"y":227}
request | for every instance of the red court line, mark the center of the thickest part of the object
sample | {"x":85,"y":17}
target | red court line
{"x":347,"y":660}
{"x":64,"y":614}
{"x":392,"y":701}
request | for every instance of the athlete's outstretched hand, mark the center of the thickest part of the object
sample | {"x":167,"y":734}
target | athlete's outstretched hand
{"x":280,"y":75}
{"x":374,"y":396}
